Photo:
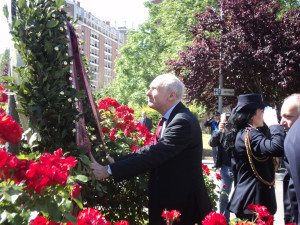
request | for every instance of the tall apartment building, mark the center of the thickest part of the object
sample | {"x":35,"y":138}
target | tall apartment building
{"x":100,"y":43}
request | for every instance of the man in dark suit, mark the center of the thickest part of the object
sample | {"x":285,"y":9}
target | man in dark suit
{"x":174,"y":162}
{"x":290,"y":112}
{"x":147,"y":122}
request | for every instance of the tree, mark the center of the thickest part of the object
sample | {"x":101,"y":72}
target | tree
{"x":160,"y":38}
{"x":4,"y":62}
{"x":260,"y":52}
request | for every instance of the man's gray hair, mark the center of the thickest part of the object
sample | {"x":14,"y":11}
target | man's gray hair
{"x":293,"y":99}
{"x":172,"y":83}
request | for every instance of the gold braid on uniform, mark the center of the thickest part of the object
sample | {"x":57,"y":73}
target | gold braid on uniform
{"x":250,"y":156}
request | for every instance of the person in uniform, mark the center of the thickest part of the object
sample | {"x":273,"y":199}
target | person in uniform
{"x":254,"y":152}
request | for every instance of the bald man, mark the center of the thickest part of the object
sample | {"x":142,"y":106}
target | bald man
{"x":174,"y":161}
{"x":290,"y":112}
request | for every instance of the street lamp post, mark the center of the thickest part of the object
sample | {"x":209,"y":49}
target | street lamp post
{"x":221,"y":81}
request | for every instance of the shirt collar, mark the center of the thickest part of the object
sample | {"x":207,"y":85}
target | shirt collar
{"x":168,"y":113}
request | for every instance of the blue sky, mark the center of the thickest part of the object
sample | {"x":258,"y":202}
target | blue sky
{"x":119,"y":12}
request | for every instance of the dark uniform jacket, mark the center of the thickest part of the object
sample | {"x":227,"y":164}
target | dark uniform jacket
{"x":175,"y":166}
{"x":249,"y":189}
{"x":292,"y":152}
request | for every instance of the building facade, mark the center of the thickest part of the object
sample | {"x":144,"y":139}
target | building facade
{"x":100,"y":43}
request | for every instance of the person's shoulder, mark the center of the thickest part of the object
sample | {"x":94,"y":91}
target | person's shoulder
{"x":294,"y":130}
{"x":296,"y":126}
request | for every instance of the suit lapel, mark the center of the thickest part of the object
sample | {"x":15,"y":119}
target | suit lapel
{"x":177,"y":109}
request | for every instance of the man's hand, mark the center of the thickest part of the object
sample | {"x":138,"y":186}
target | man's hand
{"x":99,"y":171}
{"x":109,"y":158}
{"x":221,"y":126}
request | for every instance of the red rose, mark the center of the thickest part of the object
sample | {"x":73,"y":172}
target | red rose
{"x":171,"y":216}
{"x":76,"y":188}
{"x":106,"y":103}
{"x":40,"y":220}
{"x":205,"y":169}
{"x":218,"y":176}
{"x":244,"y":223}
{"x":112,"y":134}
{"x":122,"y":222}
{"x":10,"y":130}
{"x":3,"y":95}
{"x":91,"y":216}
{"x":214,"y":218}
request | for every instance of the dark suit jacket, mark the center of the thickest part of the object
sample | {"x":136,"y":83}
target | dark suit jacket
{"x":290,"y":205}
{"x":176,"y":180}
{"x":292,"y":152}
{"x":248,"y":188}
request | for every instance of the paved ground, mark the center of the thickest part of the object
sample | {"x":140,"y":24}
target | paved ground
{"x":279,"y":195}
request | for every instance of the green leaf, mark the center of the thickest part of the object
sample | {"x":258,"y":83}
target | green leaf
{"x":7,"y":78}
{"x":5,"y":11}
{"x":52,"y":23}
{"x":79,"y":203}
{"x":53,"y":211}
{"x":70,"y":218}
{"x":16,"y":23}
{"x":22,"y":4}
{"x":82,"y":178}
{"x":85,"y":160}
{"x":7,"y":197}
{"x":59,"y":2}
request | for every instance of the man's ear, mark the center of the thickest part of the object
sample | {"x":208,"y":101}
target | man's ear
{"x":172,"y":96}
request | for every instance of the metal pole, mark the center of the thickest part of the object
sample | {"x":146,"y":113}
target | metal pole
{"x":221,"y":81}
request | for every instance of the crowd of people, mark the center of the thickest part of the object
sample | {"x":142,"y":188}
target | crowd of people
{"x":246,"y":144}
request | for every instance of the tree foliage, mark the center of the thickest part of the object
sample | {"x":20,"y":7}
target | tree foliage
{"x":4,"y":63}
{"x":144,"y":55}
{"x":260,"y":52}
{"x":44,"y":91}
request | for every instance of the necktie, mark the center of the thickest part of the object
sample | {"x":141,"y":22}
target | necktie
{"x":158,"y":128}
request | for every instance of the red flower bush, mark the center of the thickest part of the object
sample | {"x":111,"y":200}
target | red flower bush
{"x":211,"y":185}
{"x":171,"y":216}
{"x":11,"y":167}
{"x":51,"y":169}
{"x":118,"y":124}
{"x":91,"y":216}
{"x":87,"y":216}
{"x":214,"y":218}
{"x":122,"y":222}
{"x":244,"y":223}
{"x":205,"y":169}
{"x":107,"y":103}
{"x":263,"y":215}
{"x":48,"y":170}
{"x":3,"y":95}
{"x":10,"y":130}
{"x":40,"y":220}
